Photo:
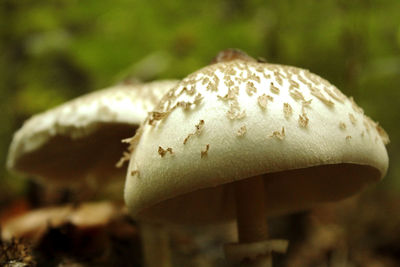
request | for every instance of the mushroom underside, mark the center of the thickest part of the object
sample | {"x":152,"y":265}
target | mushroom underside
{"x":286,"y":191}
{"x":66,"y":161}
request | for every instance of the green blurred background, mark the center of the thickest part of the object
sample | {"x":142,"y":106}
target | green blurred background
{"x":52,"y":51}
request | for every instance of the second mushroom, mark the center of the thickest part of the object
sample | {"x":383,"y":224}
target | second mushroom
{"x":77,"y":145}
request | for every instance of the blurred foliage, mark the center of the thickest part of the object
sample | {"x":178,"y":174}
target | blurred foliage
{"x":52,"y":51}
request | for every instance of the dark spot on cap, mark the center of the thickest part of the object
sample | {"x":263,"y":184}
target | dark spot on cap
{"x":231,"y":54}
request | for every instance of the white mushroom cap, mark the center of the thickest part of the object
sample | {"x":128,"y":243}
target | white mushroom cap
{"x":82,"y":138}
{"x":239,"y":119}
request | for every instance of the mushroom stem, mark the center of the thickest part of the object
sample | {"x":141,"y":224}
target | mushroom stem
{"x":250,"y":210}
{"x":251,"y":217}
{"x":155,"y":244}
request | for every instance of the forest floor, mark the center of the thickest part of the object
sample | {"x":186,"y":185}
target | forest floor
{"x":361,"y":231}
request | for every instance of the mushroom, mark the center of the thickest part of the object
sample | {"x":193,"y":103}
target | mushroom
{"x":80,"y":141}
{"x":78,"y":144}
{"x":245,"y":139}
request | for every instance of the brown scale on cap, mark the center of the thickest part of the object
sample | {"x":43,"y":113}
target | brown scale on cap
{"x":317,"y":93}
{"x":366,"y":125}
{"x":213,"y":86}
{"x":301,"y":79}
{"x":166,"y":105}
{"x":278,"y":77}
{"x":274,"y":89}
{"x":190,"y":91}
{"x":230,"y":71}
{"x":369,"y":123}
{"x":294,"y":84}
{"x":279,"y":134}
{"x":205,"y":81}
{"x":204,"y":152}
{"x":185,"y":105}
{"x":156,"y":116}
{"x":342,"y":126}
{"x":254,"y":77}
{"x":384,"y":136}
{"x":266,"y":76}
{"x":199,"y":129}
{"x":296,"y":95}
{"x":250,"y":88}
{"x":163,"y":151}
{"x":334,"y":95}
{"x":353,"y":119}
{"x":313,"y":77}
{"x":339,"y":94}
{"x":260,"y":70}
{"x":235,"y":112}
{"x":228,"y":81}
{"x":231,"y":95}
{"x":303,"y":120}
{"x":242,"y":131}
{"x":263,"y":100}
{"x":305,"y":104}
{"x":132,"y":141}
{"x":355,"y":107}
{"x":287,"y":110}
{"x":135,"y":172}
